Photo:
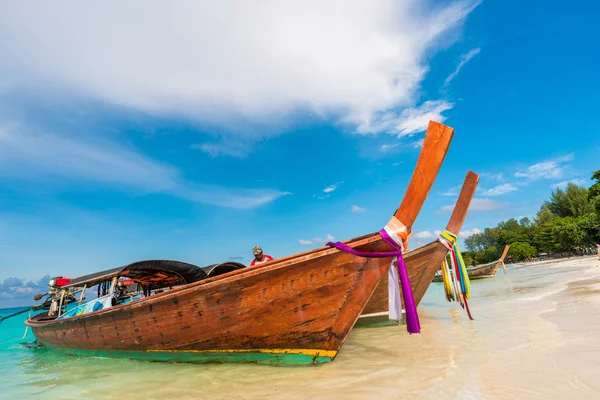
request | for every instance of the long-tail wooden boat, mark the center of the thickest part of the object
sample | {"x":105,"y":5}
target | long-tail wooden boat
{"x":297,"y":309}
{"x":422,"y":262}
{"x":483,"y":271}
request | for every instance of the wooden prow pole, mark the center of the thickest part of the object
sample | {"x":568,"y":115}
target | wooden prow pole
{"x":459,"y":214}
{"x":504,"y":253}
{"x":438,"y":137}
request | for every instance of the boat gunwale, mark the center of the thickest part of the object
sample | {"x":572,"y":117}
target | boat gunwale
{"x":227,"y":278}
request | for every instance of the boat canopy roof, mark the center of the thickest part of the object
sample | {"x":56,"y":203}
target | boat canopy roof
{"x":157,"y":273}
{"x":93,"y":279}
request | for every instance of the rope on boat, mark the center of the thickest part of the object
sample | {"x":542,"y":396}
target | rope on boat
{"x":27,"y":326}
{"x":396,"y":235}
{"x":456,"y":285}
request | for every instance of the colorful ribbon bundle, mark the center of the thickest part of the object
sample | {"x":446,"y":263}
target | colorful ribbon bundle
{"x":395,"y":234}
{"x":456,"y":279}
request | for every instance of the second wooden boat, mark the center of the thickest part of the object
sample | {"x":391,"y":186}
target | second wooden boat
{"x":422,"y":262}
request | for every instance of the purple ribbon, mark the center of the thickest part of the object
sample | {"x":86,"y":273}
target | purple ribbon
{"x":412,"y":318}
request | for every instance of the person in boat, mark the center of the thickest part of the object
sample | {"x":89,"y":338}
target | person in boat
{"x":259,"y":256}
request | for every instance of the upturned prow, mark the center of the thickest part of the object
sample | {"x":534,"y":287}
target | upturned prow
{"x":435,"y":146}
{"x":459,"y":214}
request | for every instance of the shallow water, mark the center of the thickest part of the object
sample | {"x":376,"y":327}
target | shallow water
{"x":536,"y":335}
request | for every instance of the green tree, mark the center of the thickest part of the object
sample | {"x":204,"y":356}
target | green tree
{"x":568,"y":233}
{"x":590,"y":225}
{"x":571,"y":202}
{"x":522,"y":251}
{"x":544,"y":215}
{"x":594,"y":191}
{"x":525,"y":222}
{"x":544,"y":238}
{"x":487,"y":255}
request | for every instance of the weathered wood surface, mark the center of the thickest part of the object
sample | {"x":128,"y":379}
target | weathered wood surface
{"x":304,"y":302}
{"x":422,"y":263}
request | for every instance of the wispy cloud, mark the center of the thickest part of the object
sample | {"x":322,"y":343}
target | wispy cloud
{"x":33,"y":155}
{"x":423,"y":235}
{"x":228,"y":148}
{"x":357,"y":209}
{"x":327,"y":238}
{"x":318,"y":240}
{"x":553,"y":169}
{"x":332,"y":188}
{"x":499,"y":190}
{"x":465,"y":58}
{"x":408,"y":122}
{"x":496,"y":176}
{"x":466,"y":233}
{"x":453,"y":191}
{"x":477,"y":205}
{"x":563,"y":184}
{"x":29,"y":153}
{"x":387,"y":147}
{"x":418,"y":144}
{"x":357,"y":61}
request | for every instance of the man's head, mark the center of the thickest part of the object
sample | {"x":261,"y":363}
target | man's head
{"x":258,"y":253}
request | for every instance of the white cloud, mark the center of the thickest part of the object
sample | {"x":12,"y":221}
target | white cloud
{"x":225,"y":62}
{"x":465,"y":58}
{"x":546,"y":170}
{"x":229,"y":148}
{"x":357,"y":209}
{"x":327,"y":238}
{"x":418,"y":144}
{"x":332,"y":188}
{"x":318,"y":240}
{"x":408,"y":122}
{"x":387,"y":147}
{"x":499,"y":190}
{"x":498,"y":176}
{"x":477,"y":205}
{"x":563,"y":184}
{"x":423,"y":235}
{"x":467,"y":233}
{"x":33,"y":154}
{"x":453,"y":191}
{"x":26,"y":153}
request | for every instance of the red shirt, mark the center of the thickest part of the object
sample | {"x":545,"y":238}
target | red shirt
{"x":265,"y":258}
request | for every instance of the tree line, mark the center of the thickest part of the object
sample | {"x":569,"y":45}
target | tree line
{"x":567,"y":223}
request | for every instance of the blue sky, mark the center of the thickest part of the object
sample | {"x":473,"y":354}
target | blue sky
{"x":194,"y":133}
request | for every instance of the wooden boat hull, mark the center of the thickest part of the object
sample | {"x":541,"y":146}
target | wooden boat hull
{"x":482,"y":271}
{"x":299,"y":312}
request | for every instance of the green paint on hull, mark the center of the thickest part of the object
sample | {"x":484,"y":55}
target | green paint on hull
{"x":282,"y":359}
{"x":374,"y":322}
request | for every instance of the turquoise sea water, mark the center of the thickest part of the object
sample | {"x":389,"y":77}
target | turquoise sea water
{"x":536,"y":335}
